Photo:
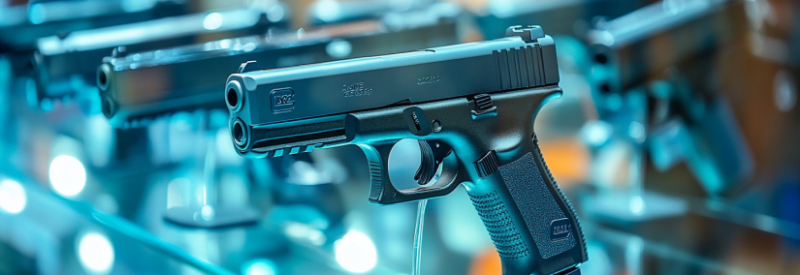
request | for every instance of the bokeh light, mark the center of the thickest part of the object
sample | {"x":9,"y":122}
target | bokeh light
{"x":637,"y":205}
{"x":95,"y":252}
{"x":67,"y":175}
{"x":12,"y":196}
{"x":212,"y":21}
{"x":259,"y":267}
{"x":356,"y":253}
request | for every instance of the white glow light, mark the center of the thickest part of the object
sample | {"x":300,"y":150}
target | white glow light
{"x":327,"y":10}
{"x":212,"y":21}
{"x":260,"y":267}
{"x":596,"y":133}
{"x":302,"y":172}
{"x":636,"y":131}
{"x":95,"y":253}
{"x":356,"y":253}
{"x":67,"y":175}
{"x":207,"y":212}
{"x":12,"y":197}
{"x":304,"y":232}
{"x":275,"y":13}
{"x":637,"y":205}
{"x":339,"y":48}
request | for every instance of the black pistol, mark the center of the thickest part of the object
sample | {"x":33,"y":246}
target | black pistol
{"x":22,"y":25}
{"x":470,"y":106}
{"x":65,"y":66}
{"x":570,"y":18}
{"x":675,"y":84}
{"x":189,"y":77}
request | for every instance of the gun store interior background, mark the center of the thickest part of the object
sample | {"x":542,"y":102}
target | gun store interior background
{"x":676,"y":139}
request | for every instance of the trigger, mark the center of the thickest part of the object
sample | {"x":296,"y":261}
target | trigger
{"x":432,"y":153}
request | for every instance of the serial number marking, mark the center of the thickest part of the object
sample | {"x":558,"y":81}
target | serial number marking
{"x":428,"y":80}
{"x":356,"y":89}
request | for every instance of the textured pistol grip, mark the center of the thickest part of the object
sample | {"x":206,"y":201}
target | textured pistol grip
{"x":533,"y":226}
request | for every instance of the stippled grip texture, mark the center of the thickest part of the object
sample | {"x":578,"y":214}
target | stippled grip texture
{"x":532,"y":224}
{"x":536,"y":204}
{"x":504,"y":234}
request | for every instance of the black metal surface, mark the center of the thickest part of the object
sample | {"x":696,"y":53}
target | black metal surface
{"x":634,"y":54}
{"x":560,"y":17}
{"x":324,"y":12}
{"x":638,"y":45}
{"x":538,"y":231}
{"x":19,"y":32}
{"x":188,"y":77}
{"x":60,"y":61}
{"x":360,"y":84}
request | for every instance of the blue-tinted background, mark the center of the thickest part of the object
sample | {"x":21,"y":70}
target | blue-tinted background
{"x":675,"y":139}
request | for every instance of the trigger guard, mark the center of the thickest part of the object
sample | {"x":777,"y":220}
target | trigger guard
{"x":382,"y":191}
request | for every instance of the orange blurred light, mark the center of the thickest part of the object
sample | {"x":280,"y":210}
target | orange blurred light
{"x":487,"y":262}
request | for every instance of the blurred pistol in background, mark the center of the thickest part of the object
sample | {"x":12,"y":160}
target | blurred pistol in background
{"x":21,"y":25}
{"x":470,"y":106}
{"x":64,"y":66}
{"x":323,"y":12}
{"x":655,"y":68}
{"x":137,"y":88}
{"x":562,"y":17}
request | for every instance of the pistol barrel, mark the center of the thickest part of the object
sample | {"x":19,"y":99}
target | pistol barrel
{"x":128,"y":102}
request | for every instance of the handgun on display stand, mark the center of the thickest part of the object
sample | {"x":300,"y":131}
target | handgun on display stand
{"x":470,"y":106}
{"x":655,"y":67}
{"x":128,"y":104}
